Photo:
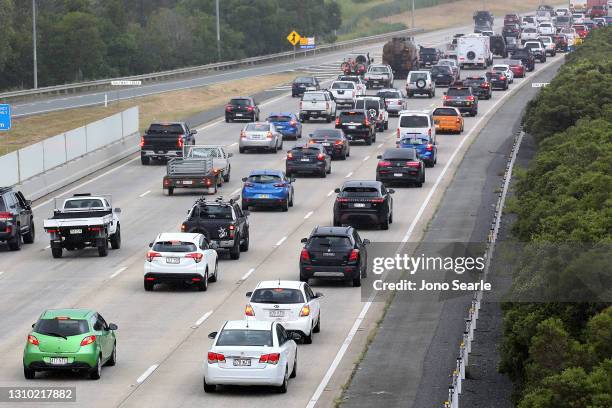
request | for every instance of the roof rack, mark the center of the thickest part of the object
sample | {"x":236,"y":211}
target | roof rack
{"x":82,"y":195}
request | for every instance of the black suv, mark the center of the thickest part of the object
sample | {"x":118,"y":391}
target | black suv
{"x":480,"y":86}
{"x":462,"y":98}
{"x":357,"y":126}
{"x":498,"y":80}
{"x":361,"y":201}
{"x":303,"y":84}
{"x":498,"y":46}
{"x":442,"y":75}
{"x":242,"y":107}
{"x":222,"y":222}
{"x":334,"y":252}
{"x":400,"y":166}
{"x":526,"y":56}
{"x":16,"y":219}
{"x":428,"y":57}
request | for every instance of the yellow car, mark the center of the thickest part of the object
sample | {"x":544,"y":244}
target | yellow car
{"x":448,"y":119}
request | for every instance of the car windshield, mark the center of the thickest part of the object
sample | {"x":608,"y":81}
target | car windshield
{"x":303,"y":80}
{"x":529,"y":30}
{"x":327,"y":134}
{"x":379,"y":69}
{"x":351,"y":116}
{"x":400,"y":154}
{"x":329,"y":241}
{"x":216,"y":212}
{"x":431,"y":51}
{"x":245,"y":337}
{"x":458,"y":92}
{"x":257,"y":127}
{"x":445,"y":112}
{"x":369,"y":104}
{"x":473,"y":81}
{"x":279,"y":118}
{"x":313,"y":97}
{"x":61,"y":327}
{"x":174,"y":246}
{"x":441,"y":70}
{"x":343,"y":85}
{"x":264,"y":178}
{"x":389,"y":94}
{"x":283,"y":296}
{"x":415,"y":121}
{"x":415,"y":76}
{"x":204,"y":152}
{"x":360,"y":192}
{"x":83,"y":203}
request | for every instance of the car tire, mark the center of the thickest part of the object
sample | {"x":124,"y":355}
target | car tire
{"x":112,"y":361}
{"x":208,"y":388}
{"x":385,"y":224}
{"x":215,"y":275}
{"x":241,"y":150}
{"x":337,"y":223}
{"x":368,"y":141}
{"x":282,"y":389}
{"x":329,"y":171}
{"x":203,"y":285}
{"x":226,"y":177}
{"x":145,"y":161}
{"x":28,"y":238}
{"x":323,"y":174}
{"x":227,"y":119}
{"x":303,"y":278}
{"x":317,"y":327}
{"x":28,"y":373}
{"x":244,"y":205}
{"x":294,"y":371}
{"x":56,"y":252}
{"x":235,"y":251}
{"x":103,"y":249}
{"x":328,"y":119}
{"x":244,"y":246}
{"x":116,"y":239}
{"x":357,"y":282}
{"x":148,"y":286}
{"x":96,"y":372}
{"x":386,"y":125}
{"x":285,"y":205}
{"x":344,"y":156}
{"x":170,"y":191}
{"x":291,"y":201}
{"x":15,"y":243}
{"x":307,"y":339}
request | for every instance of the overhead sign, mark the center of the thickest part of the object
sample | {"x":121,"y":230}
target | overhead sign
{"x":125,"y":83}
{"x":5,"y":117}
{"x":539,"y":84}
{"x":293,"y":38}
{"x":307,"y":43}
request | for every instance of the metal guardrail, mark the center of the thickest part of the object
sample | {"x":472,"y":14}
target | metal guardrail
{"x":158,"y":76}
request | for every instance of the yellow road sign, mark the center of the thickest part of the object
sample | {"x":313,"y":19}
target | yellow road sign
{"x":293,"y":37}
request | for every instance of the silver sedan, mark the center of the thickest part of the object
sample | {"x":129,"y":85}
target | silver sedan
{"x":260,"y":135}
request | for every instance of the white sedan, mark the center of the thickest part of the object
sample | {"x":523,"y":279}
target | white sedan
{"x":505,"y":69}
{"x":292,"y":303}
{"x":251,"y":353}
{"x":180,"y":257}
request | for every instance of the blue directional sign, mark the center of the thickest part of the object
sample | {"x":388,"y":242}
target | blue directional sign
{"x":5,"y":117}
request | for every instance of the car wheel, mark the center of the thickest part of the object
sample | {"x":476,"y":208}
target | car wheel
{"x":103,"y":249}
{"x":244,"y":205}
{"x":308,"y":338}
{"x":96,"y":372}
{"x":357,"y":282}
{"x":386,"y":125}
{"x":235,"y":251}
{"x":226,"y":177}
{"x":385,"y":224}
{"x":148,"y":286}
{"x":15,"y":243}
{"x":145,"y":160}
{"x":329,"y":171}
{"x":28,"y":373}
{"x":116,"y":239}
{"x":170,"y":191}
{"x":291,"y":201}
{"x":285,"y":205}
{"x":28,"y":237}
{"x":294,"y":371}
{"x":241,"y":149}
{"x":282,"y":389}
{"x":113,"y":358}
{"x":317,"y":327}
{"x":209,"y":387}
{"x":337,"y":223}
{"x":391,"y":217}
{"x":56,"y":252}
{"x":215,"y":275}
{"x":203,"y":285}
{"x":328,"y":119}
{"x":323,"y":174}
{"x":244,"y":246}
{"x":368,"y":141}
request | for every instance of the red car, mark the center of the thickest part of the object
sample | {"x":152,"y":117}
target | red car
{"x":581,"y":30}
{"x":517,"y":68}
{"x":511,"y":19}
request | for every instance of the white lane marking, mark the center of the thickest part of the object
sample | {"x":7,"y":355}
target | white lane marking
{"x":147,"y":373}
{"x":349,"y":175}
{"x":246,"y":275}
{"x":232,"y":145}
{"x":48,"y":246}
{"x":106,"y":173}
{"x":349,"y":338}
{"x":380,"y":145}
{"x":330,"y":193}
{"x":366,"y":158}
{"x":145,"y":193}
{"x":201,"y":319}
{"x":280,"y":241}
{"x":307,"y":216}
{"x":236,"y":191}
{"x":118,"y":272}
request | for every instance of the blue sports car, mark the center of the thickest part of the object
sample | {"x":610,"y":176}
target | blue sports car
{"x":267,"y":188}
{"x":425,"y":145}
{"x":288,"y":124}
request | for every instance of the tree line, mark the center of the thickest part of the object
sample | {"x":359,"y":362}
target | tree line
{"x":91,"y":39}
{"x":559,"y":354}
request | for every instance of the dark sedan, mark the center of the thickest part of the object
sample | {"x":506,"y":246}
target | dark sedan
{"x":334,"y":142}
{"x":363,"y":202}
{"x":310,"y":158}
{"x":303,"y":84}
{"x":498,"y":80}
{"x":400,"y":166}
{"x":442,"y":75}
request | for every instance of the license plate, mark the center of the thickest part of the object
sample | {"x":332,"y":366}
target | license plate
{"x":277,"y":313}
{"x":352,"y":127}
{"x":239,"y":114}
{"x":242,"y":362}
{"x":187,"y":181}
{"x":329,"y":254}
{"x":160,"y":151}
{"x":263,"y":196}
{"x":76,"y":231}
{"x":397,"y":174}
{"x":305,"y":160}
{"x":326,"y":144}
{"x":173,"y":260}
{"x":359,"y":205}
{"x":58,"y":361}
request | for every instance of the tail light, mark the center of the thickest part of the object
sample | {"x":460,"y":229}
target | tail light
{"x":180,"y":141}
{"x":232,"y":229}
{"x":293,"y":123}
{"x":354,"y":94}
{"x":228,"y":108}
{"x":196,"y":256}
{"x":304,"y":255}
{"x":52,"y":230}
{"x":413,"y":164}
{"x":342,"y":200}
{"x":142,"y":141}
{"x":429,"y":131}
{"x":32,"y":340}
{"x":280,"y":185}
{"x":88,"y":340}
{"x":398,"y":133}
{"x":247,"y":184}
{"x":321,"y":156}
{"x":458,"y":120}
{"x":300,"y":105}
{"x":470,"y":98}
{"x":166,"y":181}
{"x":269,"y":136}
{"x":271,"y":358}
{"x":242,"y":134}
{"x":429,"y":147}
{"x":503,"y":78}
{"x":6,"y":216}
{"x":338,"y":142}
{"x":446,"y":98}
{"x":95,"y":229}
{"x":484,"y":85}
{"x":214,"y":358}
{"x":151,"y":255}
{"x":248,"y":310}
{"x":377,"y":200}
{"x":367,"y":122}
{"x":208,"y":182}
{"x":384,"y":163}
{"x":289,"y":156}
{"x":337,"y":121}
{"x":305,"y":311}
{"x":354,"y":255}
{"x":250,"y":108}
{"x":183,"y":228}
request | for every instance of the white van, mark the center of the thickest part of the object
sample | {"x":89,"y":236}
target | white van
{"x":415,"y":122}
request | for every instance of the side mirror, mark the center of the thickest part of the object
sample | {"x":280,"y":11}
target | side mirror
{"x":371,"y":59}
{"x":319,"y":295}
{"x":150,"y":245}
{"x":246,"y":213}
{"x":337,"y":191}
{"x":214,"y":245}
{"x":379,"y":156}
{"x":212,"y":335}
{"x":28,"y":203}
{"x":444,"y":93}
{"x":112,"y":326}
{"x":33,"y":324}
{"x":391,"y":191}
{"x":366,"y":241}
{"x":118,"y":210}
{"x":249,"y":294}
{"x":310,"y":135}
{"x":230,"y":155}
{"x":193,"y":132}
{"x":292,"y":179}
{"x":244,"y":179}
{"x":304,"y":240}
{"x":295,"y":336}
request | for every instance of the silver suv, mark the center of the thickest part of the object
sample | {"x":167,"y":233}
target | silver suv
{"x":420,"y":83}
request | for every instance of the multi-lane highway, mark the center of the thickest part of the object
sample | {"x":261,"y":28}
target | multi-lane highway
{"x":162,"y":336}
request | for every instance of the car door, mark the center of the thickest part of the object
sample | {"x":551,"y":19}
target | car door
{"x":209,"y":254}
{"x":241,"y":221}
{"x":363,"y":252}
{"x":23,"y":210}
{"x":101,"y":329}
{"x":313,"y":302}
{"x":287,"y":346}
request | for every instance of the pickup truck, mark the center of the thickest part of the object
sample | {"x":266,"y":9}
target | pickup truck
{"x":344,"y":93}
{"x":195,"y":172}
{"x":537,"y":48}
{"x":222,"y":222}
{"x":221,"y":158}
{"x":84,"y":221}
{"x":165,"y":141}
{"x":379,"y":75}
{"x":317,"y":104}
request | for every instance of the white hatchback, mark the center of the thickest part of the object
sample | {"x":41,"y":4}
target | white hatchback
{"x":251,"y":353}
{"x":181,"y":257}
{"x":292,"y":303}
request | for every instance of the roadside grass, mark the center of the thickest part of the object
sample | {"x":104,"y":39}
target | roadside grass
{"x":168,"y":106}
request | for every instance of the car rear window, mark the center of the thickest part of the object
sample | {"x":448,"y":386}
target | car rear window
{"x":445,"y":112}
{"x":239,"y":337}
{"x":429,"y":51}
{"x":239,"y":102}
{"x":279,"y":118}
{"x":283,"y":296}
{"x":61,"y":327}
{"x":264,"y":178}
{"x":216,"y":212}
{"x":369,"y":104}
{"x":2,"y":205}
{"x":414,"y":121}
{"x":174,"y":246}
{"x":529,"y":30}
{"x":400,"y":154}
{"x":327,"y":133}
{"x":257,"y":127}
{"x":329,"y":241}
{"x":415,"y":76}
{"x":389,"y":95}
{"x":161,"y":128}
{"x":473,"y":81}
{"x":360,"y":192}
{"x":303,"y":80}
{"x":441,"y":69}
{"x":313,"y":97}
{"x":83,"y":203}
{"x":351,"y":116}
{"x":458,"y":92}
{"x":494,"y":74}
{"x":414,"y":140}
{"x":379,"y":69}
{"x":343,"y":85}
{"x":308,"y":151}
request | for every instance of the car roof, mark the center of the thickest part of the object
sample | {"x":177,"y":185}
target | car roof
{"x":321,"y":231}
{"x":247,"y":324}
{"x":362,"y":183}
{"x":286,"y":284}
{"x":262,"y":172}
{"x":70,"y":313}
{"x":176,"y":236}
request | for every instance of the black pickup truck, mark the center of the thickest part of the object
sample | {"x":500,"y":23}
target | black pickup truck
{"x":428,"y":57}
{"x":165,"y":141}
{"x":222,"y":222}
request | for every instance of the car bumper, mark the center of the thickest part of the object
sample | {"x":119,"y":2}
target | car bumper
{"x":343,"y":102}
{"x":313,"y":113}
{"x":360,"y":217}
{"x":269,"y":375}
{"x":330,"y":272}
{"x":293,"y":132}
{"x":401,"y":177}
{"x":241,"y":115}
{"x":498,"y":85}
{"x":38,"y":360}
{"x":5,"y":236}
{"x":302,"y":325}
{"x":264,"y":202}
{"x":161,"y":153}
{"x":463,"y":108}
{"x":305,"y":168}
{"x":224,"y":243}
{"x":256,"y":144}
{"x":419,"y":91}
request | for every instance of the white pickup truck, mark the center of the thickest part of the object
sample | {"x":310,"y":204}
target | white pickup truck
{"x":345,"y":92}
{"x":317,"y":104}
{"x":221,"y":158}
{"x":84,"y":221}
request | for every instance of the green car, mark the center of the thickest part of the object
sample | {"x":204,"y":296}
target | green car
{"x":70,"y":339}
